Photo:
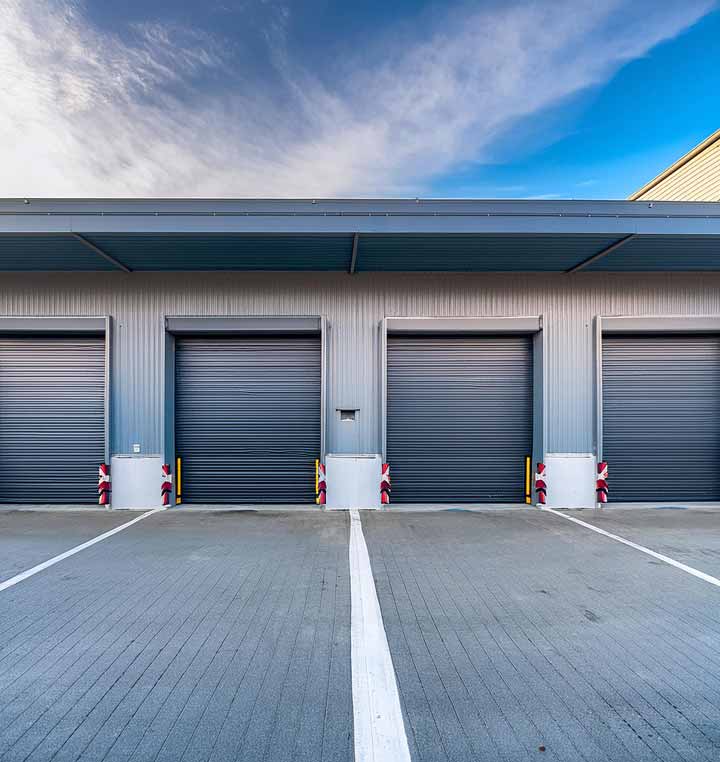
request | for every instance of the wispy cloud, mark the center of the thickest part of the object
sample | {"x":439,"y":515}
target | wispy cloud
{"x":85,"y":112}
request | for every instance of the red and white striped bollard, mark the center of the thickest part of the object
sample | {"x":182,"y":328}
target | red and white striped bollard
{"x":601,"y":486}
{"x":320,"y":483}
{"x":385,"y":484}
{"x":540,"y":484}
{"x":165,"y":484}
{"x":104,"y":484}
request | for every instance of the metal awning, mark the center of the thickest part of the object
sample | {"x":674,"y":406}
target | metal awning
{"x":358,"y":235}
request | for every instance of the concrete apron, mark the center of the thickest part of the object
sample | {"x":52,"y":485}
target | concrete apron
{"x":392,"y":508}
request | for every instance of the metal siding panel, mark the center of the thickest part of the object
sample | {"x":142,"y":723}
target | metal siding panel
{"x":48,"y":252}
{"x":226,"y":252}
{"x":52,"y":418}
{"x":520,"y":252}
{"x":345,"y":217}
{"x":114,"y":209}
{"x":218,"y":325}
{"x":657,"y":253}
{"x":247,"y":421}
{"x":66,"y":325}
{"x":476,"y":253}
{"x":324,"y":410}
{"x":168,"y":403}
{"x":538,"y":385}
{"x":597,"y":336}
{"x":661,"y":416}
{"x":524,"y":325}
{"x":459,"y":417}
{"x":660,"y":324}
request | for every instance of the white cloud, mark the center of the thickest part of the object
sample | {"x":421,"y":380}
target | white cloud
{"x":83,"y":113}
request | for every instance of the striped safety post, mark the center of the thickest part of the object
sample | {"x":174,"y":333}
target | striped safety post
{"x":104,"y":484}
{"x":165,"y":484}
{"x":540,"y":484}
{"x":320,"y":483}
{"x":601,"y":486}
{"x":385,"y":484}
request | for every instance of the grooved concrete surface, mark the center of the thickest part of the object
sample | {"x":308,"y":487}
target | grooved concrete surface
{"x":204,"y":636}
{"x":690,"y":535}
{"x":28,"y":538}
{"x":226,"y":636}
{"x":511,"y":631}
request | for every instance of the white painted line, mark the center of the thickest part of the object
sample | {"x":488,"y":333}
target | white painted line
{"x":51,"y":562}
{"x":379,"y":727}
{"x":665,"y":559}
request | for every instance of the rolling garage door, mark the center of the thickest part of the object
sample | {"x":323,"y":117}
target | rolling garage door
{"x":52,"y":419}
{"x":247,"y":423}
{"x":459,"y":417}
{"x":661,"y":416}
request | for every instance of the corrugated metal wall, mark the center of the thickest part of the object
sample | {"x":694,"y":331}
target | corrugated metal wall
{"x":354,"y":307}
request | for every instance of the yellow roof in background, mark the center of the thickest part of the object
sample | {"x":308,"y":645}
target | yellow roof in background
{"x":693,"y":177}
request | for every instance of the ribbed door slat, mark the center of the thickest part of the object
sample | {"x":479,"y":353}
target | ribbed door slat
{"x":661,"y":416}
{"x":247,"y":423}
{"x":52,"y":421}
{"x":459,"y":417}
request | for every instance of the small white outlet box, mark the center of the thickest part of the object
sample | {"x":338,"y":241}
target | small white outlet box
{"x":136,"y":449}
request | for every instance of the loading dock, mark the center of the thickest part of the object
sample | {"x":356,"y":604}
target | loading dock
{"x":247,"y":403}
{"x":53,"y":411}
{"x":660,"y":404}
{"x":459,"y":408}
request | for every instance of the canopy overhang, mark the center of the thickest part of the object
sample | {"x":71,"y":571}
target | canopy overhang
{"x":358,"y":235}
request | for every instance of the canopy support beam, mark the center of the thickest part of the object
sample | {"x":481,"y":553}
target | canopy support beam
{"x":102,"y":253}
{"x":603,"y":253}
{"x":354,"y":253}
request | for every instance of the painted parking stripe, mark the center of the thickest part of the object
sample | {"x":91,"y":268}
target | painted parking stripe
{"x":378,"y":722}
{"x":51,"y":562}
{"x":665,"y":559}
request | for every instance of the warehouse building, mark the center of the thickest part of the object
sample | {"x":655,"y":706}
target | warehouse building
{"x":459,"y":341}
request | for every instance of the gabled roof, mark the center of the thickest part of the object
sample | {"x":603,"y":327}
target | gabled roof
{"x":693,"y":177}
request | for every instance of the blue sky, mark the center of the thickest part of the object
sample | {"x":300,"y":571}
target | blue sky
{"x":613,"y":138}
{"x":511,"y":98}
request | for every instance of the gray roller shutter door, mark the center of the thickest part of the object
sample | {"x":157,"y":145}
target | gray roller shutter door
{"x":52,"y":418}
{"x":247,"y":423}
{"x":661,"y":416}
{"x":459,"y":417}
